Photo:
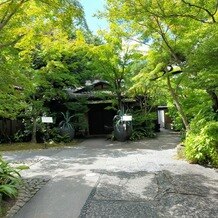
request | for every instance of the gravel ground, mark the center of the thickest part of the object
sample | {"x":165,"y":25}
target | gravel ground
{"x":102,"y":178}
{"x":144,"y":194}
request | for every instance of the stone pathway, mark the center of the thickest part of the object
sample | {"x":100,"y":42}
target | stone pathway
{"x":145,"y":194}
{"x":28,"y":189}
{"x":101,"y":178}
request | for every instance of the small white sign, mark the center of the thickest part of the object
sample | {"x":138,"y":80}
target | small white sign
{"x":47,"y":120}
{"x":126,"y":118}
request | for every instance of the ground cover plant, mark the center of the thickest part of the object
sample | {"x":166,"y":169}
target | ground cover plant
{"x":10,"y":182}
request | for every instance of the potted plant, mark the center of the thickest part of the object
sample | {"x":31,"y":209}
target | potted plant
{"x":122,"y":127}
{"x":66,"y":126}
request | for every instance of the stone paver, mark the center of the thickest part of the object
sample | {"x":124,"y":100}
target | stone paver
{"x":144,"y":194}
{"x":28,"y":189}
{"x":101,"y":178}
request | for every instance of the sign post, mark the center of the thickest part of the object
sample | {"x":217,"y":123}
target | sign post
{"x":126,"y":118}
{"x":47,"y":120}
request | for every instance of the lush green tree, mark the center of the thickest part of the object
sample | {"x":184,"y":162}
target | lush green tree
{"x":57,"y":65}
{"x":36,"y":39}
{"x":179,"y":34}
{"x":25,"y":25}
{"x":182,"y":59}
{"x":114,"y":59}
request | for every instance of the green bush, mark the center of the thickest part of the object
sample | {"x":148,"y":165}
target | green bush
{"x":177,"y":123}
{"x":143,"y":125}
{"x":201,"y":144}
{"x":57,"y":137}
{"x":79,"y":109}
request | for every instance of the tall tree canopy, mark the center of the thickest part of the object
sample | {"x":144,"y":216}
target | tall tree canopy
{"x":181,"y":62}
{"x":179,"y":33}
{"x":25,"y":27}
{"x":114,"y":59}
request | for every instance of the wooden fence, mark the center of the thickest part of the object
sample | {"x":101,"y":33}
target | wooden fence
{"x":8,"y":128}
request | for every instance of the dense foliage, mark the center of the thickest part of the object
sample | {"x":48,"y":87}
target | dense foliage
{"x":203,"y":147}
{"x":26,"y":26}
{"x":143,"y":124}
{"x":202,"y":139}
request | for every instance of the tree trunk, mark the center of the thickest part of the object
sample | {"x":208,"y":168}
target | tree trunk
{"x":33,"y":140}
{"x":118,"y":93}
{"x":119,"y":100}
{"x":177,"y":103}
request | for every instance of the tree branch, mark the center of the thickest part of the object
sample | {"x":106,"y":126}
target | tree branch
{"x":177,"y":103}
{"x":164,"y":15}
{"x":6,"y":19}
{"x":2,"y":3}
{"x":163,"y":36}
{"x":216,"y":8}
{"x":201,"y":8}
{"x":12,"y":42}
{"x":6,"y":11}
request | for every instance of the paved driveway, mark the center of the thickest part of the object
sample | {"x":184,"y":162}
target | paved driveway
{"x":101,"y":178}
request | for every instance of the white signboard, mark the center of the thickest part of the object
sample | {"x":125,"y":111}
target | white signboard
{"x":126,"y":118}
{"x":47,"y":120}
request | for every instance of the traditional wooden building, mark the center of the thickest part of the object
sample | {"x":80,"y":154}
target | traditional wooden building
{"x":100,"y":113}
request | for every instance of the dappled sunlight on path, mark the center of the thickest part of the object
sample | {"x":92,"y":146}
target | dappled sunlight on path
{"x":99,"y":176}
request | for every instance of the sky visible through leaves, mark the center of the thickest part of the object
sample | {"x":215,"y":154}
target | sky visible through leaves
{"x":92,"y":7}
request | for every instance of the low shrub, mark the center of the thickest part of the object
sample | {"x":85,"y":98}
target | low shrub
{"x":57,"y":137}
{"x":143,"y":125}
{"x":201,"y":144}
{"x":22,"y":136}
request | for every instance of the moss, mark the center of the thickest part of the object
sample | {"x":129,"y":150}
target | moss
{"x":32,"y":146}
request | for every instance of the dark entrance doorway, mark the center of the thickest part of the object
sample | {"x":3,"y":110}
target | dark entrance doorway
{"x":100,"y":119}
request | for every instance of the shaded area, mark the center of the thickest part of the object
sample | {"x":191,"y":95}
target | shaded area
{"x":144,"y":194}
